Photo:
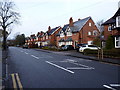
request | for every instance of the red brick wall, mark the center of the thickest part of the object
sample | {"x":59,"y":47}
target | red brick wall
{"x":108,"y":33}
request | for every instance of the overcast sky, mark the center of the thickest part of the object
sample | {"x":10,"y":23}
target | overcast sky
{"x":37,"y":15}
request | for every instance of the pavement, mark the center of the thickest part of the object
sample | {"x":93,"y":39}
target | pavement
{"x":74,"y":53}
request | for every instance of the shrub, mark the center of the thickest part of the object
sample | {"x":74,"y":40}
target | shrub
{"x":89,"y":51}
{"x":110,"y":42}
{"x":110,"y":53}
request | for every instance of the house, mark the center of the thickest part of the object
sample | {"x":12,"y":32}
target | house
{"x":112,"y":27}
{"x":31,"y":41}
{"x":81,"y":31}
{"x":49,"y":37}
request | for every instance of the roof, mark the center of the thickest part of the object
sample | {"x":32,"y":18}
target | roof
{"x":53,"y":30}
{"x":117,"y":13}
{"x":61,"y":40}
{"x":77,"y":25}
{"x":112,"y":19}
{"x":109,"y":21}
{"x":69,"y":39}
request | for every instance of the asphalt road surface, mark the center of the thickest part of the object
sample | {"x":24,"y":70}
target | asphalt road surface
{"x":29,"y":68}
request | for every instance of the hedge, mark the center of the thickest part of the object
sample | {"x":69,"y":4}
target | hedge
{"x":107,"y":53}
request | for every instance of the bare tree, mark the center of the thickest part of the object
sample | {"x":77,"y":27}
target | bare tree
{"x":99,"y":25}
{"x":8,"y":17}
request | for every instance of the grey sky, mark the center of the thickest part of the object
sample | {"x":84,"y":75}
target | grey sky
{"x":37,"y":15}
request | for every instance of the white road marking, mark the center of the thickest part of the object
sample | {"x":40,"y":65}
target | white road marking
{"x":109,"y":87}
{"x":82,"y":65}
{"x":26,"y":53}
{"x":76,"y":68}
{"x":35,"y":57}
{"x":59,"y":67}
{"x":115,"y":85}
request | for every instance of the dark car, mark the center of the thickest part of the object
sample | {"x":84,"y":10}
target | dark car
{"x":79,"y":45}
{"x":68,"y":47}
{"x":25,"y":46}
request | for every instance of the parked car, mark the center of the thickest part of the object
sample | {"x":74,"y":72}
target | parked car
{"x":68,"y":47}
{"x":92,"y":47}
{"x":79,"y":45}
{"x":25,"y":46}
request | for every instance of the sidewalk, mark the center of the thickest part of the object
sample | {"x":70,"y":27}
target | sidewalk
{"x":74,"y":53}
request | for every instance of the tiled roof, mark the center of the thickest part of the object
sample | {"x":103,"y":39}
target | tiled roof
{"x":53,"y":30}
{"x":77,"y":25}
{"x":109,"y":21}
{"x":61,"y":40}
{"x":69,"y":39}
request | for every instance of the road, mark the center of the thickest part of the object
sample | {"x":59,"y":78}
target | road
{"x":30,"y":68}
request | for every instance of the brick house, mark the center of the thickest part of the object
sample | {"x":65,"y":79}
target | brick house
{"x":31,"y":41}
{"x":81,"y":31}
{"x":112,"y":27}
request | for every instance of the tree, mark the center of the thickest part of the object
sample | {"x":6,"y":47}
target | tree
{"x":100,"y":27}
{"x":110,"y":42}
{"x":8,"y":17}
{"x":20,"y":39}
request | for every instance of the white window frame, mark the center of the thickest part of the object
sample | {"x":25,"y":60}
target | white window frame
{"x":90,"y":24}
{"x":117,"y":39}
{"x":46,"y":36}
{"x":89,"y":33}
{"x":69,"y":33}
{"x":109,"y":28}
{"x":118,"y":21}
{"x":95,"y":32}
{"x":62,"y":34}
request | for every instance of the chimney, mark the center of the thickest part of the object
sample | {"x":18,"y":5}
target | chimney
{"x":49,"y":28}
{"x":79,"y":19}
{"x":71,"y":22}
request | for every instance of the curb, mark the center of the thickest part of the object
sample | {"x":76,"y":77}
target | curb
{"x":95,"y":59}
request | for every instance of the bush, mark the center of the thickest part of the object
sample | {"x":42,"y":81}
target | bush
{"x":53,"y":48}
{"x":89,"y":51}
{"x":110,"y":42}
{"x":107,"y":53}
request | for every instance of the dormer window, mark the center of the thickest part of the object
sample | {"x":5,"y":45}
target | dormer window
{"x":68,"y":32}
{"x":61,"y":34}
{"x":118,"y":21}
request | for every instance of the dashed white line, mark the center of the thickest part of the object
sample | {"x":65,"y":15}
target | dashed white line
{"x":35,"y":57}
{"x":109,"y":87}
{"x":115,"y":85}
{"x":26,"y":53}
{"x":77,"y":68}
{"x":59,"y":67}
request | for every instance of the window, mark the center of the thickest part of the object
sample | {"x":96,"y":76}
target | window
{"x":69,"y":33}
{"x":95,"y":32}
{"x":47,"y":37}
{"x":118,"y":21}
{"x":117,"y":42}
{"x":90,"y":24}
{"x":89,"y":33}
{"x":109,"y":28}
{"x":61,"y":34}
